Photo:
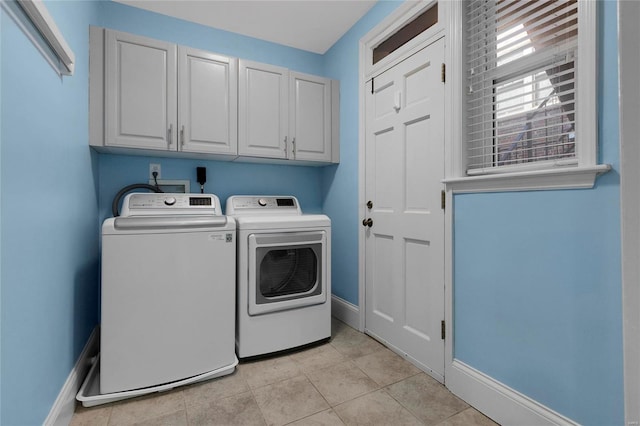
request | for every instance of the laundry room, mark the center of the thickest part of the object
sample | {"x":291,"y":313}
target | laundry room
{"x":533,"y":283}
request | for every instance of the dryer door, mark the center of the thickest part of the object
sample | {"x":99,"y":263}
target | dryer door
{"x":286,"y":271}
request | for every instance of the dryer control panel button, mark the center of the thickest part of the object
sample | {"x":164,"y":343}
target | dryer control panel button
{"x":262,"y":202}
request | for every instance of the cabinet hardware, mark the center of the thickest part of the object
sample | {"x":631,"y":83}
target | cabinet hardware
{"x":170,"y":134}
{"x":293,"y":146}
{"x":443,"y":330}
{"x":369,"y":204}
{"x":367,"y":222}
{"x":182,"y":135}
{"x":285,"y":146}
{"x":443,"y":199}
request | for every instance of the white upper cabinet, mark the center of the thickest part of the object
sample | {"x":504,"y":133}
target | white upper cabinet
{"x":152,"y":97}
{"x":287,"y":115}
{"x":164,"y":97}
{"x":140,"y":92}
{"x":207,"y":102}
{"x":310,"y":117}
{"x":263,"y":102}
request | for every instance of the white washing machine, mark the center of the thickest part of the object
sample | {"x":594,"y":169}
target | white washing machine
{"x":283,"y":275}
{"x":168,"y":292}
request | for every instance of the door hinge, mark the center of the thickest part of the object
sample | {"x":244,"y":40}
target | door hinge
{"x":443,"y":199}
{"x":372,"y":85}
{"x":444,"y":72}
{"x":443,"y":332}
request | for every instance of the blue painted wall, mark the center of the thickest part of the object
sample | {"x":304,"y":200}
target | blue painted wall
{"x":537,"y":284}
{"x":49,"y":223}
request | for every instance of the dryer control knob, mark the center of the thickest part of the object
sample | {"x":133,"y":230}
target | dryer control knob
{"x":170,"y":201}
{"x":262,"y":202}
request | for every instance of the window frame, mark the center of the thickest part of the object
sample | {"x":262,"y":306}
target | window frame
{"x":580,"y":173}
{"x":35,"y":21}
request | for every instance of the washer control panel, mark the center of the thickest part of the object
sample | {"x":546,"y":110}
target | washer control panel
{"x":250,"y":204}
{"x":152,"y":204}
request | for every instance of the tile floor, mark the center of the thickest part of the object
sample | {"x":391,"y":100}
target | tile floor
{"x":352,"y":380}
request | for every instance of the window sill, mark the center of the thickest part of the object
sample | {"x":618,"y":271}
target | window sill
{"x":559,"y":178}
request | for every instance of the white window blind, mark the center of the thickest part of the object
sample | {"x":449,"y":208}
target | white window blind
{"x":521,"y":95}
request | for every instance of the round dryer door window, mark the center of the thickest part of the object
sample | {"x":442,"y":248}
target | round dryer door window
{"x":287,"y":273}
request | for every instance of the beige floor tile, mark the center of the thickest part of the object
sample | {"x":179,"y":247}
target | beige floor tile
{"x":373,"y":409}
{"x":385,"y":367}
{"x":147,"y":407}
{"x":469,"y":417}
{"x":317,"y":358}
{"x":353,"y":344}
{"x":91,"y":416}
{"x":427,"y":399}
{"x":324,"y":418}
{"x":179,"y":418}
{"x":342,"y":382}
{"x":338,"y":327}
{"x":267,"y":371}
{"x":290,"y":400}
{"x":240,"y":410}
{"x":211,"y":390}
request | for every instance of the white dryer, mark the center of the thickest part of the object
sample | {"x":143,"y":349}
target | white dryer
{"x":283,"y":274}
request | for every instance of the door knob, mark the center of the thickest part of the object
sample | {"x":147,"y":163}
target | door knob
{"x":367,"y":222}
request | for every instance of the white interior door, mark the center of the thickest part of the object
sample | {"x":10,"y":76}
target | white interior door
{"x":404,"y":246}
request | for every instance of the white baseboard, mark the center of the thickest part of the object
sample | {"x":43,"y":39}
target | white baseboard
{"x":65,"y":404}
{"x":346,"y":312}
{"x":498,"y":401}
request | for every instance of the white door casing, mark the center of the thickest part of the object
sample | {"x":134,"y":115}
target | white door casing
{"x":404,"y":248}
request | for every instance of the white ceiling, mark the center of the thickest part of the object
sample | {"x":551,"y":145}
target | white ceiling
{"x":312,"y":25}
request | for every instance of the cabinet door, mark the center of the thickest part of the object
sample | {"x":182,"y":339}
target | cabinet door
{"x":310,"y":117}
{"x":140,"y":92}
{"x":262,"y":105}
{"x":207,"y":102}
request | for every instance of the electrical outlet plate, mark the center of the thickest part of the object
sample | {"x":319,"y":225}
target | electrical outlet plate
{"x":154,"y":167}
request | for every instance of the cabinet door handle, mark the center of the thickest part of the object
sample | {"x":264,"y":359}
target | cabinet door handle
{"x":285,"y":147}
{"x":293,"y":147}
{"x":182,"y":135}
{"x":170,"y":134}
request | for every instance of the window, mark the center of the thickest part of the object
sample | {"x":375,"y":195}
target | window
{"x":528,"y":92}
{"x":424,"y":21}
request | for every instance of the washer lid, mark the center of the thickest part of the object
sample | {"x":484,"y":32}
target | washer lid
{"x":282,"y":222}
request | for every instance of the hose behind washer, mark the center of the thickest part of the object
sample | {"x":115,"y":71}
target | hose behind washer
{"x":116,"y":199}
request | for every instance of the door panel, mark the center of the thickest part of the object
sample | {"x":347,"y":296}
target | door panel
{"x":404,"y":249}
{"x":140,"y":92}
{"x":263,"y":110}
{"x":207,"y":115}
{"x":310,"y":117}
